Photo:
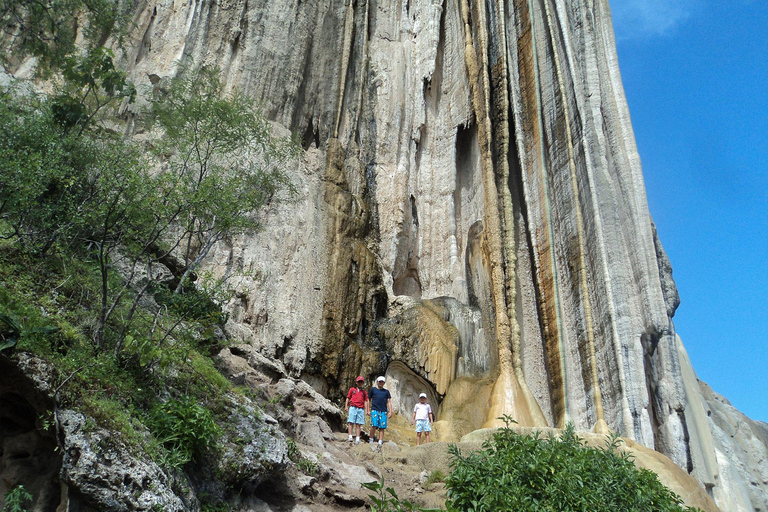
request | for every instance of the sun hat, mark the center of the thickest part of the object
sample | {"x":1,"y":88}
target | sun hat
{"x":360,"y":377}
{"x":423,"y":395}
{"x":381,"y":379}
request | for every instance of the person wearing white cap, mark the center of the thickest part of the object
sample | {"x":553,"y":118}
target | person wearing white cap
{"x":380,"y":402}
{"x":423,"y":418}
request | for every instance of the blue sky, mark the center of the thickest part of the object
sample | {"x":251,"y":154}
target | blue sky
{"x":695,"y":73}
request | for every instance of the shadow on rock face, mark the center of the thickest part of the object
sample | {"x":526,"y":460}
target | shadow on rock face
{"x":27,"y":450}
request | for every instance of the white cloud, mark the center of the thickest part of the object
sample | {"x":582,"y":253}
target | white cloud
{"x":649,"y":18}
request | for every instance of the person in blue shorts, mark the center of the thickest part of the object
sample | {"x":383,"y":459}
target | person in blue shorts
{"x":381,"y":409}
{"x":422,"y":418}
{"x":356,"y":404}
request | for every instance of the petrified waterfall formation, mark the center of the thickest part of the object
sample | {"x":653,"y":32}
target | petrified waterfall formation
{"x":472,"y":217}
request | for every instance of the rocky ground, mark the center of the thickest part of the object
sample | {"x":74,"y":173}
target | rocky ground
{"x":284,"y":448}
{"x":341,"y":469}
{"x":327,"y":471}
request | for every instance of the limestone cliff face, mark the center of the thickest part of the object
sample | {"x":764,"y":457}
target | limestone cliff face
{"x":471,"y":218}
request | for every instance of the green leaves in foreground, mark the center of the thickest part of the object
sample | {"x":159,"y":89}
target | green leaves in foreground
{"x":385,"y":499}
{"x":184,"y":428}
{"x":16,"y":500}
{"x":527,"y":473}
{"x":12,"y":329}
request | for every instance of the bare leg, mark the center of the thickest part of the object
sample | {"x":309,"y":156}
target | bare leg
{"x":349,"y":428}
{"x":427,"y":435}
{"x":418,"y":438}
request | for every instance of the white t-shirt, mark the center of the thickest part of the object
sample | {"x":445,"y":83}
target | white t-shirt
{"x":422,"y":411}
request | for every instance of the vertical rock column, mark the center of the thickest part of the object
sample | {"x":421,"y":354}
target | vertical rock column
{"x":510,"y":393}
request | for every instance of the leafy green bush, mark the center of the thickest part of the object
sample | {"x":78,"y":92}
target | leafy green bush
{"x":529,"y":473}
{"x":13,"y":328}
{"x":294,"y":454}
{"x":184,"y":428}
{"x":16,"y":499}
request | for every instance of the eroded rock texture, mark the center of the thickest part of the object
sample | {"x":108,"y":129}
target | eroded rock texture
{"x":471,"y":211}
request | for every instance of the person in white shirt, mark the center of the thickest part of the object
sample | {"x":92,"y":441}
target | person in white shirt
{"x":422,"y":418}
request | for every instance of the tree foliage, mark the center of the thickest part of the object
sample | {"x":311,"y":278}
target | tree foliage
{"x":529,"y":473}
{"x":184,"y":428}
{"x":222,"y":164}
{"x":49,"y":29}
{"x":67,"y":184}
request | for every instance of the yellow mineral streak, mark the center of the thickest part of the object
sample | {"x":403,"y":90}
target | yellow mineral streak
{"x":463,"y":408}
{"x":437,"y":348}
{"x":510,"y":394}
{"x":510,"y":246}
{"x":542,"y":234}
{"x":600,"y":426}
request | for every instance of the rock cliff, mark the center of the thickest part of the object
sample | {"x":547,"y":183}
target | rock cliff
{"x":471,"y":218}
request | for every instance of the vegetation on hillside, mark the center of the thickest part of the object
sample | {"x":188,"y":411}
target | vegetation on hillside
{"x":531,"y":473}
{"x":102,"y":239}
{"x":525,"y":473}
{"x":49,"y":30}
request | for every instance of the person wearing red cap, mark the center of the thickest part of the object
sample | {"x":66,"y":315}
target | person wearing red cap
{"x":356,"y":404}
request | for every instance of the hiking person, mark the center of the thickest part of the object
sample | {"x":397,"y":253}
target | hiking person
{"x":380,"y":401}
{"x":356,"y":404}
{"x":423,"y":418}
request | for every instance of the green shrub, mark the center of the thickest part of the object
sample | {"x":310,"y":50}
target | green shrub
{"x":13,"y":328}
{"x":293,"y":450}
{"x":16,"y":499}
{"x":435,"y":476}
{"x":184,"y":428}
{"x":308,"y":466}
{"x":529,"y":473}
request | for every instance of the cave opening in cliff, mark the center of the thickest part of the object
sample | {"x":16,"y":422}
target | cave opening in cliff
{"x":311,"y":135}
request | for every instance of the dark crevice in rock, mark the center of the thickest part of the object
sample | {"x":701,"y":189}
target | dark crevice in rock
{"x":687,"y":441}
{"x":650,"y":342}
{"x":28,"y":453}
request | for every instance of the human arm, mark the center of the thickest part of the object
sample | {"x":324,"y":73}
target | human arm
{"x":389,"y":407}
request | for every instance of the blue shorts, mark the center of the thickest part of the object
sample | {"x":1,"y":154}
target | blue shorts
{"x":356,"y":415}
{"x":423,"y":426}
{"x":379,"y":419}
